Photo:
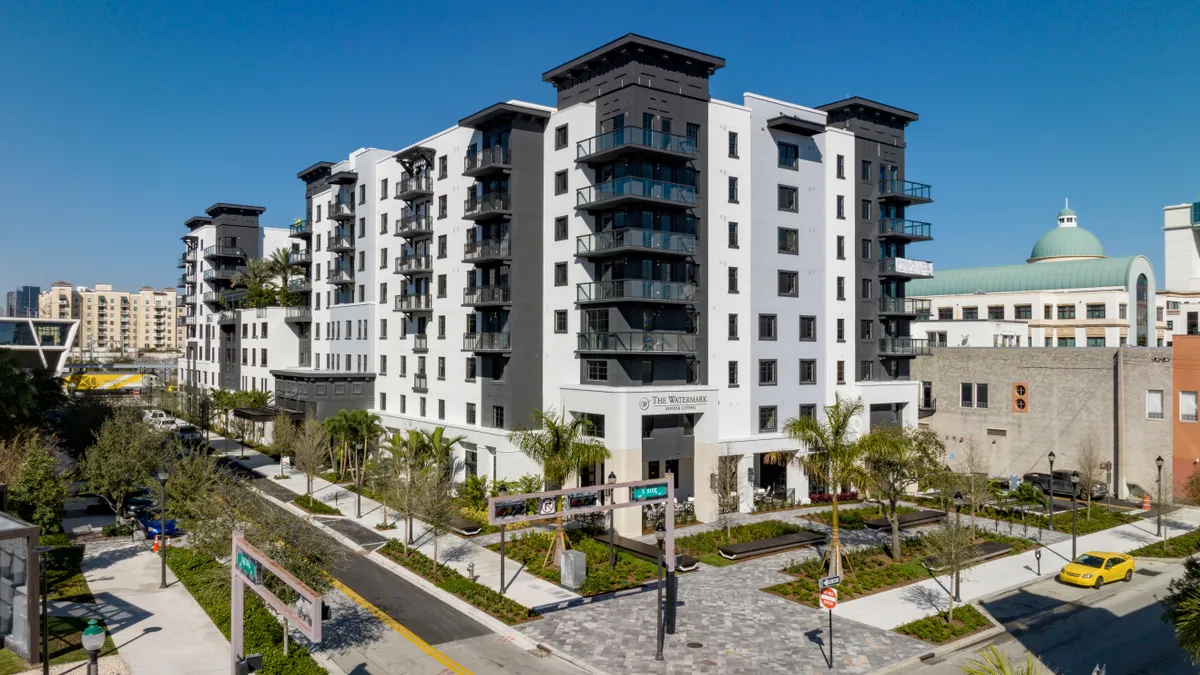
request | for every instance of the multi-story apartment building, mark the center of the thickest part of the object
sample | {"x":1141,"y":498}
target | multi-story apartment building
{"x":116,"y":322}
{"x":685,"y":273}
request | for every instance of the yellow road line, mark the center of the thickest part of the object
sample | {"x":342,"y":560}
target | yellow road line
{"x":396,"y":626}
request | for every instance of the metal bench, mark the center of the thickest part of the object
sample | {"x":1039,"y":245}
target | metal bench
{"x":749,"y":549}
{"x":907,"y":520}
{"x":686,"y":563}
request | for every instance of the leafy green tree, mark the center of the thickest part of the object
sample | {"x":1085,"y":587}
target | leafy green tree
{"x":435,"y":486}
{"x":896,"y":460}
{"x":259,"y":281}
{"x":951,"y":547}
{"x":38,"y":494}
{"x":26,"y":397}
{"x":282,"y":266}
{"x":1181,"y":607}
{"x":562,"y":447}
{"x":310,"y":449}
{"x":341,"y":428}
{"x":125,"y":456}
{"x":1025,"y":496}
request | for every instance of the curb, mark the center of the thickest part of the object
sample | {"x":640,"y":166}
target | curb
{"x":941,"y":651}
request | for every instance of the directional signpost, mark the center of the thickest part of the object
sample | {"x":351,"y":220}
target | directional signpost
{"x":829,"y":582}
{"x":829,"y":601}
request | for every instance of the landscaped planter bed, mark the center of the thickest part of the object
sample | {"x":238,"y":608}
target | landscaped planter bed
{"x":935,"y":629}
{"x":855,"y":518}
{"x":530,"y":549}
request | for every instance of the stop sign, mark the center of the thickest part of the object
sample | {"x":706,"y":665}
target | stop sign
{"x":829,"y":598}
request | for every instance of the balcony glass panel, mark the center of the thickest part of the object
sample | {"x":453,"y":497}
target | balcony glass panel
{"x":634,"y":238}
{"x":635,"y":289}
{"x":905,"y":188}
{"x":905,"y":228}
{"x":486,"y":294}
{"x":631,"y":186}
{"x":486,"y":342}
{"x":638,"y":137}
{"x":639,"y":342}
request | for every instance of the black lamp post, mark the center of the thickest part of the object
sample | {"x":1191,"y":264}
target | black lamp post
{"x":162,"y":526}
{"x":958,"y":504}
{"x":1158,"y":461}
{"x":1074,"y":508}
{"x":503,"y":492}
{"x":612,"y":553}
{"x":660,"y":533}
{"x":41,"y":552}
{"x":1051,"y":500}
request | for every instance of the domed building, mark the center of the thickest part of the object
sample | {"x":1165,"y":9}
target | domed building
{"x":1067,"y":294}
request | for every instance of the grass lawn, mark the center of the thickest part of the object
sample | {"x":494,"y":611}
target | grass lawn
{"x":315,"y":506}
{"x":715,"y":560}
{"x":1175,"y":547}
{"x":856,"y":518}
{"x":937,"y":630}
{"x":706,"y":543}
{"x":530,"y":550}
{"x":66,"y":645}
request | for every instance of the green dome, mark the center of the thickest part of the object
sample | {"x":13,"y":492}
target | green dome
{"x":1066,"y":212}
{"x":1062,"y":242}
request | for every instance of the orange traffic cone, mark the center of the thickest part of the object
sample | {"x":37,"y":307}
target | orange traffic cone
{"x":1145,"y":502}
{"x":168,"y":544}
{"x":155,"y":549}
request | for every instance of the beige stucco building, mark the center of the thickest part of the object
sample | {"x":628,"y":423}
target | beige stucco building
{"x":117,"y":322}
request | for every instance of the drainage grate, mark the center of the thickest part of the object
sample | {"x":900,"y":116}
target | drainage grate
{"x":1147,"y":573}
{"x":695,"y":645}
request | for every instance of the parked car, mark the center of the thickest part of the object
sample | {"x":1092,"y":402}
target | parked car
{"x":139,"y":502}
{"x":152,"y":523}
{"x":1062,"y":485}
{"x":154,"y":416}
{"x":189,"y":435}
{"x":1094,"y":568}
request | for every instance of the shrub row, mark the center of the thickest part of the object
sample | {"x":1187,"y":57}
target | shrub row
{"x":630,"y":572}
{"x":856,"y":518}
{"x":937,"y":630}
{"x":826,"y":498}
{"x":315,"y":506}
{"x":1175,"y":547}
{"x":703,"y":543}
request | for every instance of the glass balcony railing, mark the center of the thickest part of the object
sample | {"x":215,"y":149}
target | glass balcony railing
{"x":905,"y":267}
{"x":904,"y":346}
{"x":912,"y":229}
{"x":301,"y":228}
{"x":227,"y":316}
{"x":298,"y":314}
{"x":641,"y":342}
{"x":635,"y":289}
{"x":300,"y":285}
{"x":646,"y":240}
{"x":890,"y":305}
{"x":300,"y":257}
{"x":904,"y":189}
{"x":486,"y":295}
{"x":344,"y":242}
{"x":486,"y":342}
{"x":492,"y":202}
{"x":224,"y":252}
{"x":487,"y":249}
{"x":636,"y":188}
{"x":224,"y":272}
{"x":635,"y":137}
{"x":344,"y":211}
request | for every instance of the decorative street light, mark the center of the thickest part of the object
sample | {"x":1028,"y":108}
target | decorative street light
{"x":1051,"y":484}
{"x":162,"y":526}
{"x":612,"y":553}
{"x":958,"y":504}
{"x":93,"y":641}
{"x":503,"y":492}
{"x":1158,"y":461}
{"x":1074,"y":507}
{"x":660,"y":533}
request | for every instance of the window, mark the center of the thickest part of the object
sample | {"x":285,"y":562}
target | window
{"x":560,"y":137}
{"x":441,"y":327}
{"x":470,"y":369}
{"x":1095,"y":341}
{"x":733,"y":235}
{"x":808,"y":328}
{"x":841,"y":372}
{"x":1066,"y":311}
{"x":808,"y":371}
{"x":362,"y":261}
{"x":441,"y":408}
{"x":441,"y":206}
{"x":733,"y":326}
{"x":441,"y":286}
{"x":383,"y":256}
{"x":1049,"y":342}
{"x":789,"y":156}
{"x":443,"y":168}
{"x":403,"y":403}
{"x":841,"y":207}
{"x":1159,"y":313}
{"x":865,"y":170}
{"x":841,"y":330}
{"x":733,"y":281}
{"x":470,"y":413}
{"x":1187,"y":406}
{"x":768,"y":375}
{"x":382,"y":400}
{"x":767,"y":418}
{"x":766,"y":327}
{"x":596,"y":371}
{"x":560,"y":183}
{"x":441,"y":368}
{"x":1154,"y":404}
{"x":970,"y":313}
{"x":560,"y":321}
{"x":981,"y":396}
{"x":733,"y":144}
{"x":968,"y":395}
{"x":383,"y":329}
{"x":383,"y":364}
{"x":733,"y":190}
{"x":403,"y":366}
{"x":789,"y":240}
{"x":593,"y":424}
{"x":383,"y":191}
{"x":789,"y":284}
{"x":733,"y":373}
{"x":841,"y":288}
{"x":864,"y":329}
{"x":1122,"y":311}
{"x":1097,"y":312}
{"x":841,"y":166}
{"x":1066,"y":342}
{"x":560,"y":274}
{"x":841,"y":247}
{"x":866,"y":371}
{"x":864,"y":210}
{"x":865,"y":249}
{"x":996,"y":312}
{"x":1048,"y":312}
{"x":498,"y":416}
{"x":1170,"y":325}
{"x":1023,"y":311}
{"x":362,"y":194}
{"x":560,"y":228}
{"x":865,"y":289}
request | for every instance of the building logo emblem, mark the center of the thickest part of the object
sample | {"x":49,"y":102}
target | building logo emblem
{"x":645,"y":404}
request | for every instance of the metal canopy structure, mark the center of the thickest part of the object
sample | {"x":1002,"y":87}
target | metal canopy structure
{"x":267,"y":413}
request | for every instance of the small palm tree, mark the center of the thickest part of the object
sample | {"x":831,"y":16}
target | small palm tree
{"x":1026,"y":494}
{"x":992,"y":661}
{"x":282,"y":267}
{"x":561,"y":447}
{"x":368,"y":429}
{"x":341,"y":432}
{"x":258,"y":280}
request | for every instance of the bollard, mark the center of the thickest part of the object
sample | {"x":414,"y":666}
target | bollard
{"x":471,"y":570}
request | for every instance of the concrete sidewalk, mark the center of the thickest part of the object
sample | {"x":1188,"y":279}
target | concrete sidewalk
{"x":155,"y":630}
{"x":457,"y":552}
{"x":909,"y":603}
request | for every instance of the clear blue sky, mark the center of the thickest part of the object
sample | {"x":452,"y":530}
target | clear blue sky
{"x":120,"y":122}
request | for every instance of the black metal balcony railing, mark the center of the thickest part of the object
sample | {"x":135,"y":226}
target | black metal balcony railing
{"x":629,"y":238}
{"x":414,"y":302}
{"x":224,"y":252}
{"x":904,"y":346}
{"x":299,"y":314}
{"x":486,"y":342}
{"x":908,"y":229}
{"x":343,"y":242}
{"x":487,"y":295}
{"x":635,"y":137}
{"x":496,"y":158}
{"x":420,"y":342}
{"x":926,"y":407}
{"x":415,"y":264}
{"x":414,"y":224}
{"x":412,"y":187}
{"x":301,"y":228}
{"x":890,"y":305}
{"x":227,"y":316}
{"x":300,"y":257}
{"x":894,"y":188}
{"x":223,"y":272}
{"x":421,"y":382}
{"x":905,"y":267}
{"x":343,"y":275}
{"x":300,"y":285}
{"x":343,"y":211}
{"x":636,"y":188}
{"x":498,"y":203}
{"x":641,"y":342}
{"x":486,"y":249}
{"x":635,"y":289}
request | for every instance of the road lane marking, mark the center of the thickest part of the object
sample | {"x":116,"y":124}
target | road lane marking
{"x":396,"y":626}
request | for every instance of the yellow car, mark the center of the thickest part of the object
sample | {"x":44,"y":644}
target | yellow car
{"x":1096,"y":567}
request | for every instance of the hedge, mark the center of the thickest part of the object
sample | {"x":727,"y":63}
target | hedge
{"x":937,"y":630}
{"x":209,"y":583}
{"x":1175,"y":547}
{"x":530,"y":550}
{"x":855,"y":518}
{"x":703,"y":543}
{"x":315,"y":506}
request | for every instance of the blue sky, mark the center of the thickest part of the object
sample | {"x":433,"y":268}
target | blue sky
{"x":121,"y":120}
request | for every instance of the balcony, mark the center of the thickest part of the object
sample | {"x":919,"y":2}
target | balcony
{"x":487,"y":250}
{"x":905,"y":268}
{"x":215,"y":296}
{"x":301,"y":229}
{"x":298,"y":315}
{"x":908,"y":230}
{"x":225,"y":273}
{"x":300,"y":285}
{"x":611,"y":144}
{"x":616,"y":242}
{"x":415,"y":264}
{"x":926,"y":408}
{"x":414,"y":302}
{"x":490,"y":205}
{"x":183,"y":281}
{"x":903,"y":306}
{"x":189,"y":299}
{"x":421,"y":383}
{"x":480,"y":296}
{"x":224,"y":252}
{"x":342,"y":243}
{"x":341,"y":275}
{"x":341,"y":211}
{"x":180,"y":321}
{"x":637,"y":342}
{"x":630,"y":190}
{"x":227,"y":316}
{"x":420,"y":343}
{"x":487,"y":162}
{"x":412,"y":188}
{"x":486,"y":342}
{"x":414,"y":225}
{"x":905,"y":192}
{"x":635,"y":290}
{"x":300,"y":257}
{"x":903,"y":346}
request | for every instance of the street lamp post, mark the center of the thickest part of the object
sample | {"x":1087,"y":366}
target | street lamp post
{"x":41,"y":552}
{"x":162,"y":526}
{"x":612,"y":552}
{"x":1051,"y":500}
{"x":958,"y":504}
{"x":502,"y":491}
{"x":659,"y":534}
{"x":93,"y":641}
{"x":1158,"y":461}
{"x":1074,"y":508}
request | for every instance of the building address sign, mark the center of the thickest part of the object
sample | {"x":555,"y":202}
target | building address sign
{"x":673,"y":403}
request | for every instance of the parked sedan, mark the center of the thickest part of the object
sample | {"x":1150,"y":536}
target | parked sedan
{"x":1094,"y":568}
{"x":152,"y":523}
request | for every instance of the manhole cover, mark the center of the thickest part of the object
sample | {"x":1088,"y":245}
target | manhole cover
{"x":695,"y":645}
{"x":1148,"y":573}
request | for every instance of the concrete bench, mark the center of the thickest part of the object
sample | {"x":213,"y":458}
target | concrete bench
{"x":464,"y":526}
{"x":749,"y":549}
{"x":926,"y":517}
{"x":686,"y":563}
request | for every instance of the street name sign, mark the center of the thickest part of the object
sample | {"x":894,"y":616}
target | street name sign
{"x":829,"y":598}
{"x":643,"y":493}
{"x":829,"y":582}
{"x":249,"y":567}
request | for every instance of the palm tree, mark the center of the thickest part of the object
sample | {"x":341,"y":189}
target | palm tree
{"x":257,"y":279}
{"x":281,"y":266}
{"x":341,"y":431}
{"x":367,"y":430}
{"x":561,"y":447}
{"x":992,"y":661}
{"x":410,"y":454}
{"x":1026,"y":494}
{"x":834,"y":455}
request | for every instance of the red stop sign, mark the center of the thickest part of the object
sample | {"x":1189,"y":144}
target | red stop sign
{"x":829,"y":598}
